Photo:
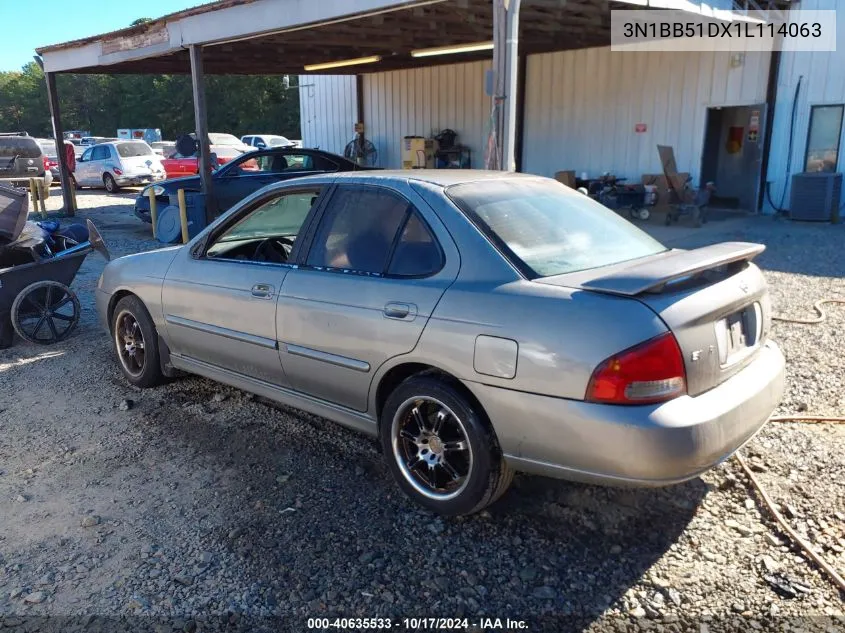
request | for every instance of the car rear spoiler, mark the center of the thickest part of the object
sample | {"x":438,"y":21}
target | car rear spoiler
{"x":654,"y":275}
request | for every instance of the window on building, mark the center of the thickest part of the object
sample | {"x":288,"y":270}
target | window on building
{"x":823,"y":140}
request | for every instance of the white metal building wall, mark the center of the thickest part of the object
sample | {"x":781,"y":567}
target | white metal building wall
{"x":327,"y":111}
{"x":423,"y":102}
{"x":822,"y":83}
{"x":582,"y":107}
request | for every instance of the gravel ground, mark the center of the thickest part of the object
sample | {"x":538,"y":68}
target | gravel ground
{"x":197,"y":504}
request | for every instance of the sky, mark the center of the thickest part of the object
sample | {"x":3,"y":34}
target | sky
{"x":55,"y":21}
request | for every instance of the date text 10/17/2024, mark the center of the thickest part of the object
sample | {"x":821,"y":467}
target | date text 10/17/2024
{"x":416,"y":624}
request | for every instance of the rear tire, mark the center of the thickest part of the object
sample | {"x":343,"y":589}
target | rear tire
{"x":110,"y":183}
{"x":135,"y":341}
{"x":440,"y":448}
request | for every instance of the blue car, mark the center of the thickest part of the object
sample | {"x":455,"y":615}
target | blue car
{"x":246,"y":174}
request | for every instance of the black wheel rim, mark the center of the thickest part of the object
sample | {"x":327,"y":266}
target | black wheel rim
{"x":129,"y":341}
{"x":47,"y":314}
{"x":431,"y":447}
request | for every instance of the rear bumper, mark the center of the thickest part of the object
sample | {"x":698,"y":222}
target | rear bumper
{"x":649,"y":445}
{"x":138,"y":179}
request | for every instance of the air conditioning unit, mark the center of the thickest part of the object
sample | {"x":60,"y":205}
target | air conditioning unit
{"x":815,"y":196}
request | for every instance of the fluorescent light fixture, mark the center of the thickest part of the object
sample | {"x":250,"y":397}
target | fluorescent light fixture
{"x":345,"y":62}
{"x":448,"y":50}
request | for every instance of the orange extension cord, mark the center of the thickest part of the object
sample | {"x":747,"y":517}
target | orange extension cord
{"x":838,"y":580}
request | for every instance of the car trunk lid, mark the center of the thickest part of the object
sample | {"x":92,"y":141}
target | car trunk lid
{"x":141,"y":164}
{"x":713,"y":300}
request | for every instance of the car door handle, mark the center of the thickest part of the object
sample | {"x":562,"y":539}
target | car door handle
{"x":262,"y":291}
{"x":394,"y":310}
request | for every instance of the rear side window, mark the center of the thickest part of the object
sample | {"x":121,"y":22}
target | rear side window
{"x":545,"y":228}
{"x":417,"y":253}
{"x":358,"y":230}
{"x":19,"y":146}
{"x":129,"y":150}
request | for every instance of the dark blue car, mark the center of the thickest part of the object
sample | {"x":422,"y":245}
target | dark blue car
{"x":246,"y":174}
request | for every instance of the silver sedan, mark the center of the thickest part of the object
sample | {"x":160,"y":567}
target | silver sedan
{"x":478,"y":323}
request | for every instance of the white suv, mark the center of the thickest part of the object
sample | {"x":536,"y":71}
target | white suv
{"x":116,"y":165}
{"x":265,"y":141}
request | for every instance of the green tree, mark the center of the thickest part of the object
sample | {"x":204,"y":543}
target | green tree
{"x":104,"y":103}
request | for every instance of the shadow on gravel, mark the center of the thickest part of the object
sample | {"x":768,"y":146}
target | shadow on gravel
{"x":308,"y":517}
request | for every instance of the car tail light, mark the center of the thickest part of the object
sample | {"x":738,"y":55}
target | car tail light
{"x":118,"y":172}
{"x":221,"y":160}
{"x":47,"y":163}
{"x":647,"y":373}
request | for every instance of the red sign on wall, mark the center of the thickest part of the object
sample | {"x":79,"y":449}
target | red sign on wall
{"x":640,"y":128}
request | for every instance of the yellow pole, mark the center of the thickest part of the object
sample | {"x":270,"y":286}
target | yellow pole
{"x":42,"y":196}
{"x":153,"y":210}
{"x":183,"y":215}
{"x":33,"y":191}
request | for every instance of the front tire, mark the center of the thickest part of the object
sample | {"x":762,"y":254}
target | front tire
{"x":110,"y":183}
{"x":136,"y":343}
{"x":441,"y":448}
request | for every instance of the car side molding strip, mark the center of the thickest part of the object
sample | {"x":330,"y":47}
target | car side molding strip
{"x":350,"y":418}
{"x":332,"y":359}
{"x":261,"y":341}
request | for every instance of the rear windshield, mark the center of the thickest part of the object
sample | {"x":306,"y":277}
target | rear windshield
{"x":128,"y":150}
{"x":217,"y":138}
{"x":277,"y":141}
{"x":546,"y":228}
{"x":20,"y":146}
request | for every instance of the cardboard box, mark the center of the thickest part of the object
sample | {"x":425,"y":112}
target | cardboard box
{"x":567,"y":177}
{"x":418,"y":152}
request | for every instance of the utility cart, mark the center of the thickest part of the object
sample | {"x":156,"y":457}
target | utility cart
{"x":37,"y":268}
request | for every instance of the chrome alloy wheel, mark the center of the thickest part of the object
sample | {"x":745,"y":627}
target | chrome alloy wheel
{"x":129,"y":341}
{"x":431,"y":447}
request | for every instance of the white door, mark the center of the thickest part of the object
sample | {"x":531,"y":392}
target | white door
{"x":83,"y":167}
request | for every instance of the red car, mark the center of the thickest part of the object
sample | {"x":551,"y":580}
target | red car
{"x":177,"y":165}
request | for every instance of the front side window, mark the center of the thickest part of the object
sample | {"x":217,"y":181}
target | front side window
{"x":88,"y":154}
{"x":101,"y":152}
{"x":358,"y":230}
{"x":545,"y":228}
{"x":268,"y":232}
{"x":823,"y":139}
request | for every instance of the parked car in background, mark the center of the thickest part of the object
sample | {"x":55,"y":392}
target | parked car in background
{"x":221,"y":139}
{"x":177,"y":165}
{"x":118,"y":164}
{"x":224,"y":147}
{"x":48,"y":146}
{"x":246,"y":174}
{"x":262,"y":141}
{"x":87,"y":141}
{"x":163,"y":148}
{"x":478,"y":323}
{"x":22,"y":158}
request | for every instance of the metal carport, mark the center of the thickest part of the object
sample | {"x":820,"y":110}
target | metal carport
{"x":285,"y":36}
